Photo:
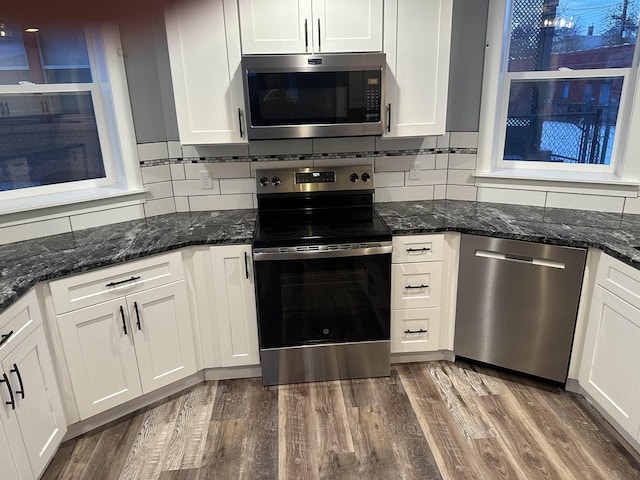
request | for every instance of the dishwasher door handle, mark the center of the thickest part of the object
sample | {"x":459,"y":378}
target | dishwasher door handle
{"x":514,"y":257}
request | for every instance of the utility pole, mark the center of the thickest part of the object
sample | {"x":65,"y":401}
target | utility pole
{"x":623,"y":21}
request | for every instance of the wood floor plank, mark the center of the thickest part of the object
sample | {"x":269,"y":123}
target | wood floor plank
{"x":82,"y":453}
{"x":358,"y":392}
{"x":223,"y":450}
{"x":327,"y":403}
{"x":63,"y":456}
{"x":230,"y":401}
{"x":456,"y":456}
{"x":184,"y":474}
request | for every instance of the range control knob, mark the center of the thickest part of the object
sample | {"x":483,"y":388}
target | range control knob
{"x":275,"y":181}
{"x":264,"y":181}
{"x":365,"y":177}
{"x":354,"y":177}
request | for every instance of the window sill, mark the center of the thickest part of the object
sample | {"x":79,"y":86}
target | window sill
{"x":553,"y":181}
{"x":79,"y":200}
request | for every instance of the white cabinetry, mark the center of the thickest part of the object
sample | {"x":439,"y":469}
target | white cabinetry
{"x":235,"y":305}
{"x":611,"y":355}
{"x":417,"y":38}
{"x":310,"y":26}
{"x":416,"y":293}
{"x":204,"y":52}
{"x":138,"y":340}
{"x":32,"y":422}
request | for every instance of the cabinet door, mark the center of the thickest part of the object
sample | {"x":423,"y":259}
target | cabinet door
{"x":163,"y":335}
{"x":8,"y":463}
{"x":353,"y":26}
{"x":100,"y":356}
{"x":611,"y":358}
{"x":235,"y":305}
{"x":38,"y":412}
{"x":276,"y":26}
{"x":204,"y":52}
{"x":417,"y":37}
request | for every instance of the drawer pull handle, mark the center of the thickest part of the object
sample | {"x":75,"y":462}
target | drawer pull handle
{"x":423,"y":249}
{"x":132,"y":279}
{"x":5,"y":337}
{"x":135,"y":307}
{"x":17,"y":372}
{"x":422,"y":330}
{"x":417,"y":286}
{"x":124,"y":323}
{"x":246,"y":265}
{"x":11,"y":402}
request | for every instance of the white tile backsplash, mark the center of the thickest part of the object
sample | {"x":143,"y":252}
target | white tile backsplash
{"x":599,"y":203}
{"x":200,"y":151}
{"x":461,"y":192}
{"x":177,"y":171}
{"x":460,"y":177}
{"x":221,"y":202}
{"x":182,"y":204}
{"x":439,"y":192}
{"x":401,"y":194}
{"x":337,"y":162}
{"x":281,"y":147}
{"x":153,"y":151}
{"x":427,"y":177}
{"x":463,"y":140}
{"x":632,"y":205}
{"x":159,"y":173}
{"x":279,"y":164}
{"x":106,"y":217}
{"x":399,"y":163}
{"x":389,"y":179}
{"x":462,"y":161}
{"x":231,"y":186}
{"x":159,"y":207}
{"x":410,"y":143}
{"x":188,"y":188}
{"x":230,"y":170}
{"x":159,"y":190}
{"x":344,"y":144}
{"x":442,"y":141}
{"x":513,"y":196}
{"x":175,"y":149}
{"x":26,"y":231}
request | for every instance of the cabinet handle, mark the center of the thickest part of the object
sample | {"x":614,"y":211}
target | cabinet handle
{"x":5,"y":337}
{"x":423,"y":249}
{"x":319,"y":41}
{"x":132,"y":279}
{"x":240,"y":122}
{"x":17,"y":372}
{"x":306,"y":36}
{"x":135,"y":307}
{"x":6,"y":107}
{"x":124,"y":322}
{"x":1,"y":108}
{"x":11,"y":402}
{"x":417,"y":286}
{"x":416,"y":331}
{"x":246,"y":266}
{"x":389,"y":118}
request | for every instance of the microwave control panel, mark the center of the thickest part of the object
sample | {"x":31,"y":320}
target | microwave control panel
{"x":372,"y":97}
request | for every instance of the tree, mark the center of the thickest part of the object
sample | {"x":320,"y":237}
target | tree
{"x":622,"y":25}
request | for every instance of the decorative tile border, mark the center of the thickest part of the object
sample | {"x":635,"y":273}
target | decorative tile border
{"x":309,"y":156}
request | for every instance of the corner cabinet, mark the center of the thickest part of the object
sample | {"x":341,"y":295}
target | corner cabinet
{"x":138,"y":340}
{"x":203,"y":39}
{"x":611,"y":354}
{"x":32,"y":421}
{"x":234,"y":305}
{"x":310,"y":26}
{"x":417,"y":42}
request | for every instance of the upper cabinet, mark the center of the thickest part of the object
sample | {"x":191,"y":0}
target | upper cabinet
{"x":417,"y":38}
{"x":310,"y":26}
{"x":204,"y":52}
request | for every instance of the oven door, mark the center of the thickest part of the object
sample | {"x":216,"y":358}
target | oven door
{"x":324,"y":297}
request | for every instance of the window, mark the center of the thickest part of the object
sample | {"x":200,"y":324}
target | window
{"x":60,"y":130}
{"x":559,"y":97}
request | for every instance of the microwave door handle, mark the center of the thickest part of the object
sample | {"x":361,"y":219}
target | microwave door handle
{"x":240,"y":122}
{"x":389,"y":118}
{"x":319,"y":41}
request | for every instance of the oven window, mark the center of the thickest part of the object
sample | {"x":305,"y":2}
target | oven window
{"x":309,"y":97}
{"x":309,"y":302}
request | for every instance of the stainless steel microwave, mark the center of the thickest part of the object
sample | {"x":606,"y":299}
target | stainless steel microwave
{"x":303,"y":96}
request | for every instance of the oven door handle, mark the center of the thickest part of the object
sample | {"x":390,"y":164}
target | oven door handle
{"x":319,"y":252}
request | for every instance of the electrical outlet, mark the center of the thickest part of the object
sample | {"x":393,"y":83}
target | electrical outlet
{"x":206,"y":183}
{"x":414,"y":173}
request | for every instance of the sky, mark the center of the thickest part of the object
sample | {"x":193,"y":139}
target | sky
{"x":588,"y":12}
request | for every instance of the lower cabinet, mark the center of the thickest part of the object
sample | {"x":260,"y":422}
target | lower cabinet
{"x":235,"y":305}
{"x":611,"y":355}
{"x":32,"y":421}
{"x":120,"y":349}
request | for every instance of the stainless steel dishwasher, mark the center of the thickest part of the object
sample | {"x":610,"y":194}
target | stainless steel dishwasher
{"x":517,"y":304}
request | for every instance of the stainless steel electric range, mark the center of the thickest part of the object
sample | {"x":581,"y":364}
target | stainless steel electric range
{"x":322,"y":260}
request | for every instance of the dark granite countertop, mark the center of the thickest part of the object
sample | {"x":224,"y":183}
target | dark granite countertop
{"x":23,"y":264}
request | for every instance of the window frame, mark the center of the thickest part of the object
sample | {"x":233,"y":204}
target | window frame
{"x":621,"y":176}
{"x":114,"y":122}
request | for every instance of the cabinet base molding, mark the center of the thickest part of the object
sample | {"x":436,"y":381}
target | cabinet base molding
{"x":422,"y":357}
{"x":229,"y":373}
{"x":605,"y":421}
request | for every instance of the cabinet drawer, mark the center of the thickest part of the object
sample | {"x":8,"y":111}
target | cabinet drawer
{"x":415,"y":330}
{"x":18,"y":321}
{"x":416,"y":285}
{"x":417,"y":248}
{"x":620,"y":279}
{"x":79,"y":291}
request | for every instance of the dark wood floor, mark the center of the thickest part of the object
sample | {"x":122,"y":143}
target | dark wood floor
{"x":434,"y":420}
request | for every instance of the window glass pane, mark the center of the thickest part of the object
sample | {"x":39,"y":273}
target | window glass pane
{"x":48,"y":139}
{"x":48,"y":54}
{"x":567,"y":120}
{"x":572,"y":34}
